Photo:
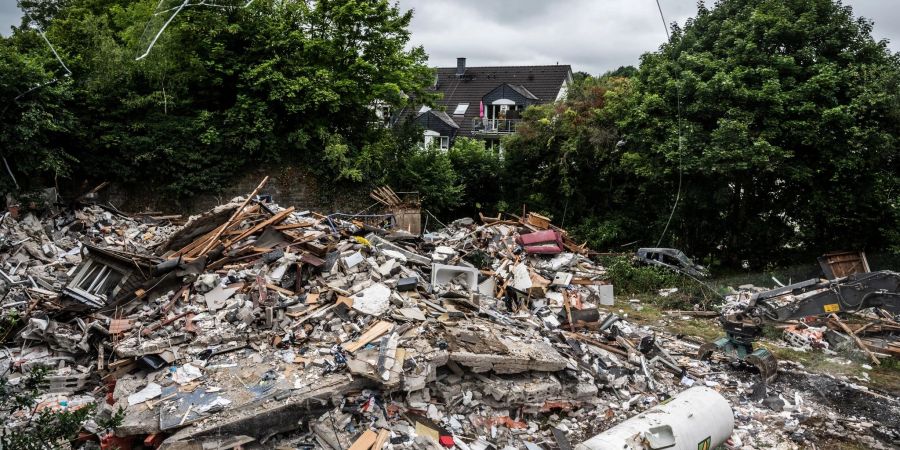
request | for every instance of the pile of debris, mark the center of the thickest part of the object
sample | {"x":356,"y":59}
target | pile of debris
{"x":261,"y":326}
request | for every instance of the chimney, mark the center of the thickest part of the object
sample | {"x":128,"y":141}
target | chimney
{"x":460,"y":66}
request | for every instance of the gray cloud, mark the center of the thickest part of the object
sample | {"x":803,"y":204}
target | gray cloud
{"x":591,"y":35}
{"x":9,"y":16}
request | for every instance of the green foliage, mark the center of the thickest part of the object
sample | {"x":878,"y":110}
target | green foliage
{"x":604,"y":233}
{"x":787,"y":135}
{"x":630,"y":279}
{"x":775,"y":124}
{"x":478,"y":169}
{"x":564,"y":161}
{"x":622,"y":72}
{"x":33,"y":118}
{"x":430,"y":172}
{"x":222,"y":89}
{"x":28,"y":427}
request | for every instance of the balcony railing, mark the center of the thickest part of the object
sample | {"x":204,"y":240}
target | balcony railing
{"x":498,"y":125}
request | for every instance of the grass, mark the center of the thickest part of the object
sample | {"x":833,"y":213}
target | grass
{"x":815,"y":361}
{"x":887,"y":376}
{"x":706,"y":329}
{"x":652,"y":314}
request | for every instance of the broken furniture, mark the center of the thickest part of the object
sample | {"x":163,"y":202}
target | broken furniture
{"x":105,"y":275}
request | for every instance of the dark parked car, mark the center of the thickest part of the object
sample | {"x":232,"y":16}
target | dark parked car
{"x":670,"y":258}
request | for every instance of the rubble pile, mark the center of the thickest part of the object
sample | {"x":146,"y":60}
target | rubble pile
{"x":864,"y":333}
{"x":261,"y":326}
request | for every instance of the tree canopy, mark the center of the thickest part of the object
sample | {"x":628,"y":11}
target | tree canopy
{"x":773,"y":124}
{"x":221,"y":89}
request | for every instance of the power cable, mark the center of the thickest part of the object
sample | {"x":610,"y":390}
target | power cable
{"x":680,"y":138}
{"x":41,"y":32}
{"x":177,"y":9}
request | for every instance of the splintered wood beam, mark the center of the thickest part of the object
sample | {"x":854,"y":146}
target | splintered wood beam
{"x":374,"y":332}
{"x":194,"y":252}
{"x":381,"y":439}
{"x":272,"y":220}
{"x":233,"y":216}
{"x":856,"y":339}
{"x":193,"y":245}
{"x":379,"y":199}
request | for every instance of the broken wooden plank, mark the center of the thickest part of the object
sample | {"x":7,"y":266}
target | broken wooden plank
{"x":595,"y":343}
{"x":309,"y":310}
{"x":374,"y":332}
{"x":270,"y":221}
{"x":233,"y":217}
{"x":856,"y":339}
{"x":693,"y":313}
{"x":381,"y":439}
{"x":365,"y":441}
{"x":280,"y":289}
{"x":588,"y":282}
{"x":292,"y":226}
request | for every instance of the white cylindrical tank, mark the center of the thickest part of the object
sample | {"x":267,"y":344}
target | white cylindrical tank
{"x":696,"y":419}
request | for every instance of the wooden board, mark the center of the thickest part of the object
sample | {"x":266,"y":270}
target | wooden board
{"x":365,"y":441}
{"x":381,"y":439}
{"x":272,"y":220}
{"x":374,"y":332}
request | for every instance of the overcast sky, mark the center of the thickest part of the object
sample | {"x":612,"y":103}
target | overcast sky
{"x":591,"y":35}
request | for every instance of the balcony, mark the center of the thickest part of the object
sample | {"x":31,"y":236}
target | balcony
{"x":497,"y":126}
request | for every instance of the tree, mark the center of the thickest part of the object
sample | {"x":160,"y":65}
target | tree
{"x":563,"y":161}
{"x":223,"y":88}
{"x":621,"y":71}
{"x":479,"y":170}
{"x":429,"y":171}
{"x":779,"y":118}
{"x":34,"y":119}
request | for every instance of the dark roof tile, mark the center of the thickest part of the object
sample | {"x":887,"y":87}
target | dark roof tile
{"x":541,"y":83}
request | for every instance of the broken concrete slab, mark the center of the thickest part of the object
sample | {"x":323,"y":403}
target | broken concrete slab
{"x":373,"y":300}
{"x":483,"y":347}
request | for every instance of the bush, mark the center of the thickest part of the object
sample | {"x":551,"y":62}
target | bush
{"x":478,"y":169}
{"x":603,"y":233}
{"x":631,"y":279}
{"x":42,"y":427}
{"x":430,"y":172}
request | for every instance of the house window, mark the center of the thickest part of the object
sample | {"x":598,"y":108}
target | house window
{"x":460,"y":109}
{"x":503,"y":112}
{"x":434,"y":138}
{"x":383,"y":111}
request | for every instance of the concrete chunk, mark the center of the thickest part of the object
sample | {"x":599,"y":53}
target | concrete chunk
{"x":373,"y":300}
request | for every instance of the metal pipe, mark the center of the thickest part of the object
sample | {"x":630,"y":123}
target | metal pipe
{"x":698,"y":418}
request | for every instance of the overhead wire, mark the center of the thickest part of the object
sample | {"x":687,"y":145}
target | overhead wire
{"x":40,"y":31}
{"x":679,"y":129}
{"x":177,"y":9}
{"x":163,"y":28}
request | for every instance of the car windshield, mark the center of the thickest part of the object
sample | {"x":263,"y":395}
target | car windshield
{"x":682,"y":257}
